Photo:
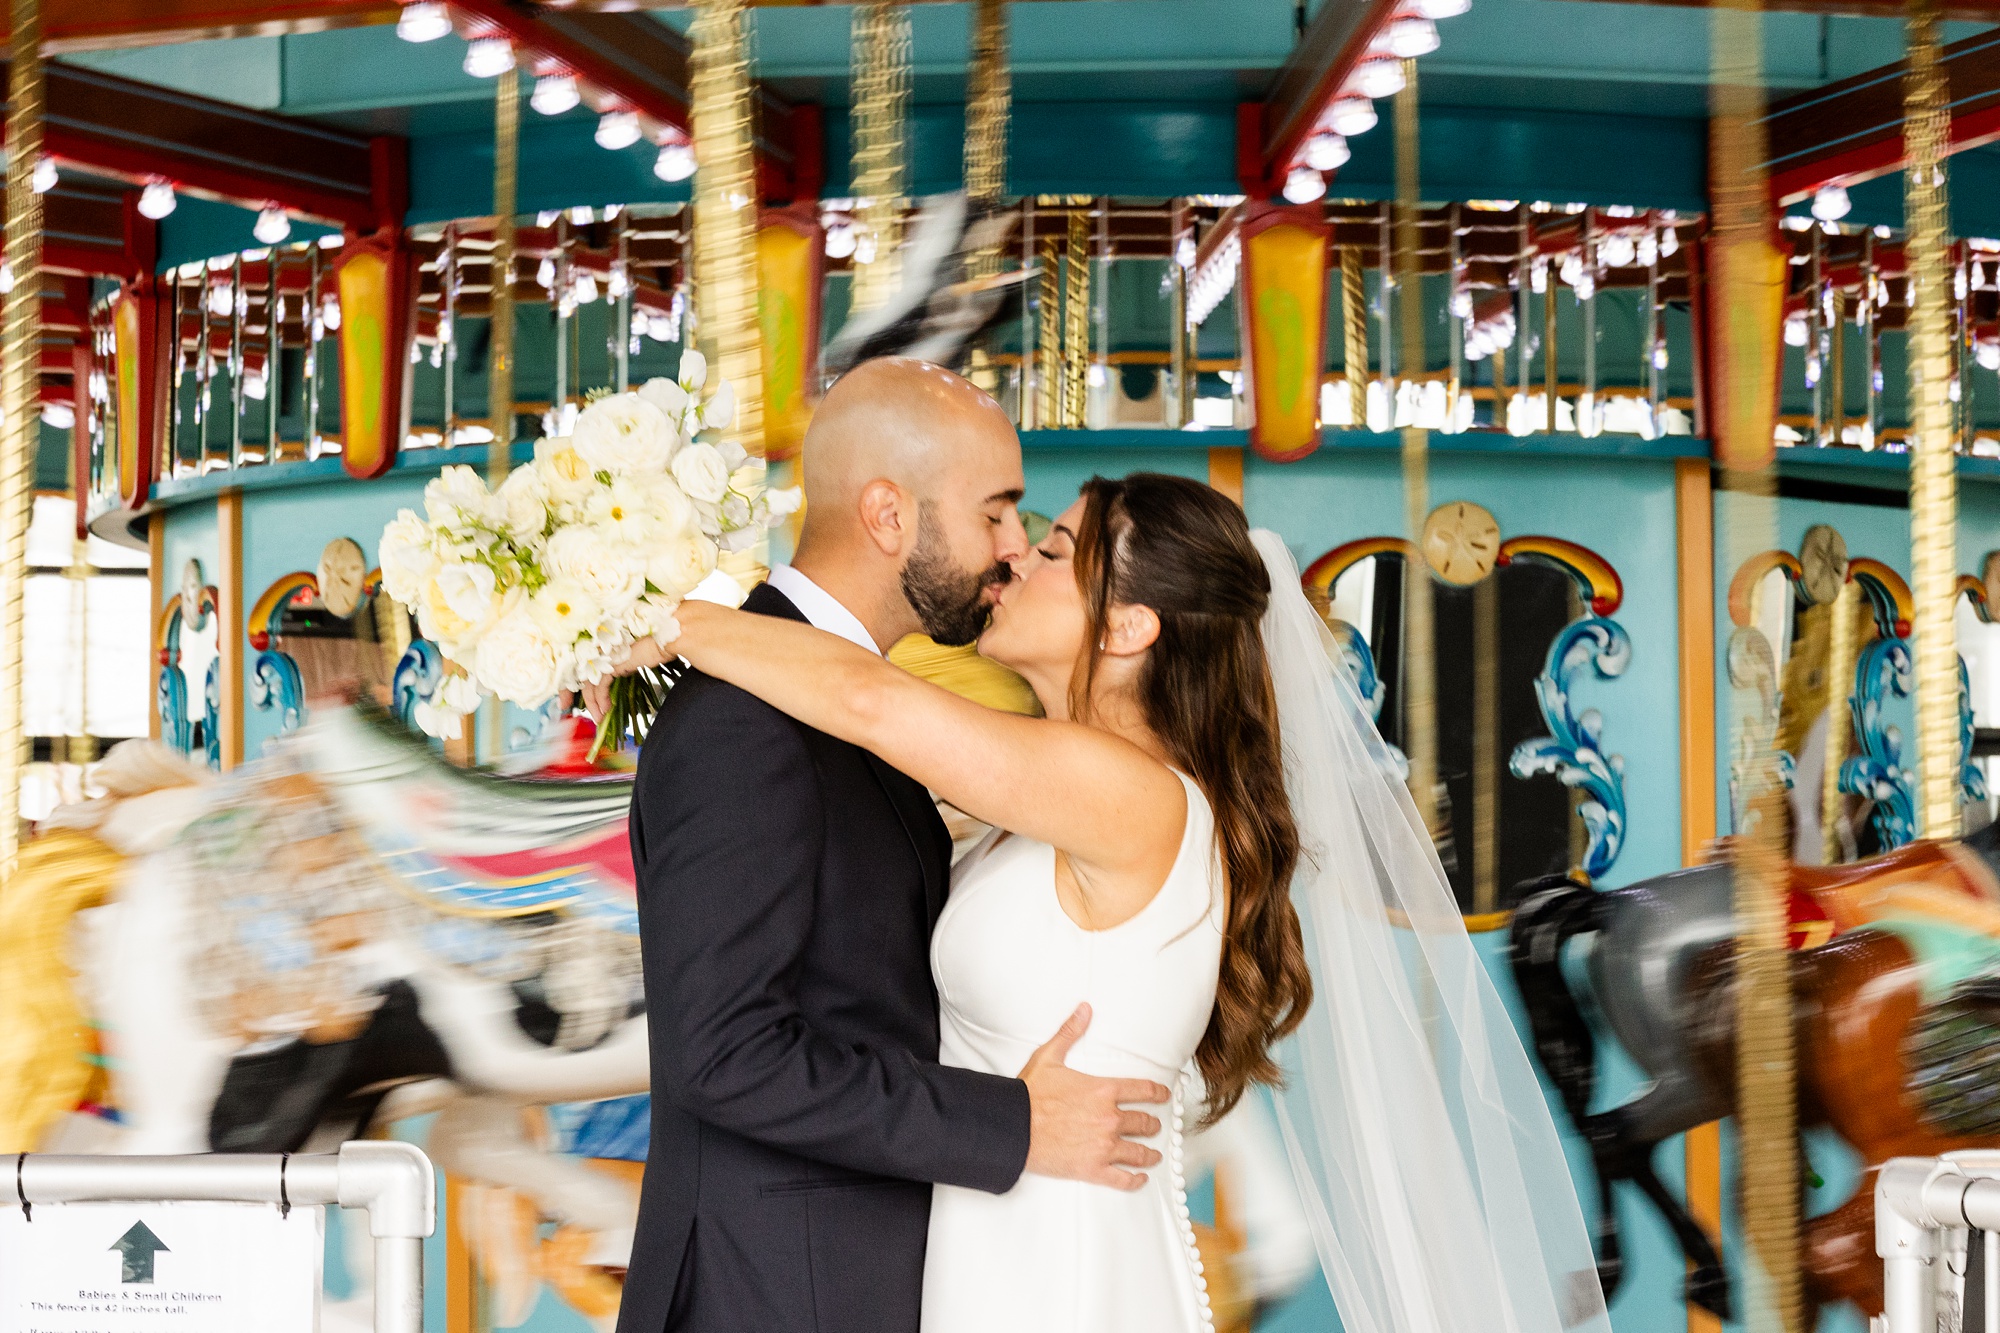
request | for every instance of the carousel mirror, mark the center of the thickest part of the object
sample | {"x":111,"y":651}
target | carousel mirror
{"x":1496,"y":830}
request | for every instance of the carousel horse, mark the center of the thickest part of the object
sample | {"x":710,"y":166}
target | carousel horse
{"x":1896,"y":984}
{"x":351,"y":931}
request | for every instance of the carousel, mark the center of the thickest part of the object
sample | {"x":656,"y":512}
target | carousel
{"x":1624,"y":378}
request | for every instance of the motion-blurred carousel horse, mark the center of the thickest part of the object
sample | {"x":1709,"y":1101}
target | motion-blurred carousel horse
{"x":1896,"y":986}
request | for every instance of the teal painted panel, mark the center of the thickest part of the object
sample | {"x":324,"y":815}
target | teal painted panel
{"x":1055,"y":477}
{"x":198,"y":229}
{"x":451,"y":175}
{"x":244,"y":70}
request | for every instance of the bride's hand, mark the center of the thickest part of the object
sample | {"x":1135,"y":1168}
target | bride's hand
{"x":643,"y":654}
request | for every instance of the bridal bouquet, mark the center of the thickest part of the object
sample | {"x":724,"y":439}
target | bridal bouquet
{"x":542,"y":585}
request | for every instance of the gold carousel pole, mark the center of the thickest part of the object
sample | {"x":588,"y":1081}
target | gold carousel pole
{"x":1354,"y":332}
{"x":20,"y":392}
{"x":725,"y":212}
{"x":1745,"y":313}
{"x":1419,"y":667}
{"x":1933,"y":458}
{"x":988,"y":99}
{"x":881,"y":105}
{"x":500,"y":325}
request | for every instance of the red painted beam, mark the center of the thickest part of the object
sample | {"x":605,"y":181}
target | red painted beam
{"x":1852,"y":131}
{"x":1333,"y":44}
{"x":136,"y":132}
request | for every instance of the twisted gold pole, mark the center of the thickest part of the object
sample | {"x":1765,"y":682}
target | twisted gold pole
{"x":1933,"y":459}
{"x":881,"y":36}
{"x":20,"y":395}
{"x":1840,"y":689}
{"x":1419,"y":639}
{"x":1746,"y":267}
{"x":506,"y":182}
{"x":1076,"y":316}
{"x":988,"y":98}
{"x":1354,"y":332}
{"x":725,"y":212}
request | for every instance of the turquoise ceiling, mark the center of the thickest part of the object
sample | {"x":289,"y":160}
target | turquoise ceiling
{"x":1558,"y":99}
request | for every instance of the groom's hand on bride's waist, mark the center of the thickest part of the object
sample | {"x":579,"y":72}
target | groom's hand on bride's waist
{"x":1079,"y":1127}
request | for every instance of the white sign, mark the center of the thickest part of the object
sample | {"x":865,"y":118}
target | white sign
{"x":160,"y":1268}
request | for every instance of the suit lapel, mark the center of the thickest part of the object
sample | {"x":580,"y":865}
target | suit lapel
{"x":907,"y":797}
{"x":913,"y":807}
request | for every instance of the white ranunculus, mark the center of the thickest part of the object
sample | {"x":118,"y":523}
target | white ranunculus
{"x":720,"y":588}
{"x":406,"y":556}
{"x":517,"y":661}
{"x":701,"y":473}
{"x":720,"y":409}
{"x":444,"y":723}
{"x":454,"y":634}
{"x":666,"y":395}
{"x":623,"y":433}
{"x":468,"y":591}
{"x":613,"y":573}
{"x":694,"y":370}
{"x":678,"y":568}
{"x":457,"y":496}
{"x":524,"y":502}
{"x":565,"y":609}
{"x":457,"y":693}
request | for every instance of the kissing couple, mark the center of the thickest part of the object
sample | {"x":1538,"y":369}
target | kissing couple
{"x":891,"y":1094}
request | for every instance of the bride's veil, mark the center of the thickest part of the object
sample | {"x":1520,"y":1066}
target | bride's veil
{"x":1439,"y":1196}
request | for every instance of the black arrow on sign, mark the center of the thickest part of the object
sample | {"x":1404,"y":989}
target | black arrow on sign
{"x":139,"y":1245}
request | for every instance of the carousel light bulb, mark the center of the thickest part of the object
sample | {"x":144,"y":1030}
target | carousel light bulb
{"x":554,"y":94}
{"x":1410,"y":36}
{"x":1830,"y":203}
{"x":1795,"y":329}
{"x":1648,"y":251}
{"x":423,"y":21}
{"x":1326,"y":151}
{"x":1442,"y":9}
{"x":584,"y":289}
{"x":1377,"y":78}
{"x":45,"y":175}
{"x":840,"y":240}
{"x":1304,"y":185}
{"x":330,"y":312}
{"x":272,"y":225}
{"x":1670,"y":241}
{"x":1987,"y":354}
{"x":675,"y":162}
{"x":1351,"y":116}
{"x":1618,"y":251}
{"x":1097,"y":375}
{"x":6,"y":277}
{"x":488,"y":57}
{"x":582,"y":216}
{"x":157,"y":200}
{"x":1185,"y":252}
{"x":618,"y":129}
{"x":61,"y":416}
{"x":545,"y":273}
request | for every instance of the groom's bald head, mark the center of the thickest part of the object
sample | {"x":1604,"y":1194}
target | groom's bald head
{"x":912,"y":468}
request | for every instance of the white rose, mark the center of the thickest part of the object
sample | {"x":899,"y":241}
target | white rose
{"x":623,"y":433}
{"x":669,"y":397}
{"x":458,"y":496}
{"x":676,"y":570}
{"x":720,"y":409}
{"x":694,"y":370}
{"x":720,"y":588}
{"x":516,"y":661}
{"x":611,"y":572}
{"x":701,"y":473}
{"x":565,"y":609}
{"x":454,"y":634}
{"x":468,"y":591}
{"x":524,"y":502}
{"x":406,"y":557}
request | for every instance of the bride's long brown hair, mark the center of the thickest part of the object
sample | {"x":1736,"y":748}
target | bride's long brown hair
{"x":1184,"y":550}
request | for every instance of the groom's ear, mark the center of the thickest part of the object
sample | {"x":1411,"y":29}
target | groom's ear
{"x":888,"y":516}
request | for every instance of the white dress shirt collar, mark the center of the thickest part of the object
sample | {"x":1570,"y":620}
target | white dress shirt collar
{"x":820,"y":608}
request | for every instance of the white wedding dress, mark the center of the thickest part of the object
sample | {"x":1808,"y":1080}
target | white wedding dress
{"x":1059,"y":1256}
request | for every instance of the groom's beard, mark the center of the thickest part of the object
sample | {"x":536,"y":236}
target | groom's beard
{"x":950,"y":602}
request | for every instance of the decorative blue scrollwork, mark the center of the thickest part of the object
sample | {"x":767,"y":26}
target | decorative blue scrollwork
{"x":418,"y":673}
{"x":1573,"y":750}
{"x":275,"y":683}
{"x":1359,"y":660}
{"x":211,"y":716}
{"x":1971,"y":778}
{"x":170,"y":698}
{"x":1877,"y":772}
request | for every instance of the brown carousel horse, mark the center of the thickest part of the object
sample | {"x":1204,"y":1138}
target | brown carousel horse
{"x":1896,"y":983}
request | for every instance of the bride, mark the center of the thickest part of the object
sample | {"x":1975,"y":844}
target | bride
{"x":1204,"y":823}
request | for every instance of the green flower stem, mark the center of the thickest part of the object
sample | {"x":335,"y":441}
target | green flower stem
{"x":635,"y":701}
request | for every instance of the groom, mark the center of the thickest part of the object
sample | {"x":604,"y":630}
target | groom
{"x":788,"y":884}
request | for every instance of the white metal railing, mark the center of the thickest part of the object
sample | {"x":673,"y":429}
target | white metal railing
{"x":393,"y":1181}
{"x":1925,"y":1211}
